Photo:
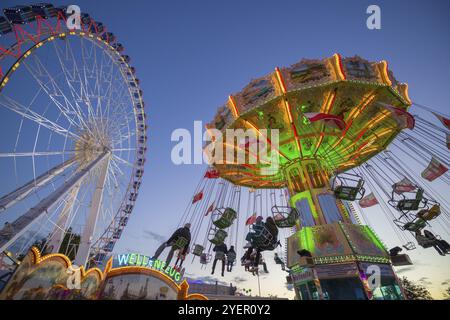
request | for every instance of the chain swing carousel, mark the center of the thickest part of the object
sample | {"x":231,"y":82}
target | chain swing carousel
{"x":347,"y":142}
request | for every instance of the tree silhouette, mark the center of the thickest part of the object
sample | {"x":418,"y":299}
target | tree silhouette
{"x":447,"y":294}
{"x":414,"y":291}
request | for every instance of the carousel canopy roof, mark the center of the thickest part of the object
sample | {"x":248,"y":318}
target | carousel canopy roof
{"x":341,"y":111}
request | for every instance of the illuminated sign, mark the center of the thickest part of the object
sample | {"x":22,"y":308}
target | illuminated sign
{"x":139,"y":260}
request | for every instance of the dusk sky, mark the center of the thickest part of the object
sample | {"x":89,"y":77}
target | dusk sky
{"x":190,"y":55}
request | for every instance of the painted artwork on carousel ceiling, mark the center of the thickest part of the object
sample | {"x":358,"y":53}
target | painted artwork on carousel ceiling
{"x":255,"y":93}
{"x":356,"y":68}
{"x":306,"y":72}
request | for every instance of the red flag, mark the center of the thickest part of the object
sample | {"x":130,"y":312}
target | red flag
{"x":402,"y":117}
{"x":212,"y":174}
{"x":403,"y":185}
{"x":434,"y":170}
{"x":210,"y":209}
{"x":448,"y":141}
{"x":197,"y":197}
{"x":368,"y":201}
{"x":445,"y":121}
{"x":329,"y":119}
{"x":251,"y":220}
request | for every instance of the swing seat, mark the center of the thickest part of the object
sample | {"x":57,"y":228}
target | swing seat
{"x":218,"y":237}
{"x":347,"y":193}
{"x":198,"y":250}
{"x":408,"y":204}
{"x":263,"y":240}
{"x":205,"y":258}
{"x":415,"y":225}
{"x":409,"y":246}
{"x":405,"y":205}
{"x":285,"y":217}
{"x":426,"y":244}
{"x":350,"y":187}
{"x":431,"y":214}
{"x":225,"y":219}
{"x":180,"y":243}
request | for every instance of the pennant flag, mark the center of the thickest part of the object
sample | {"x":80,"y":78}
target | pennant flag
{"x":251,"y":220}
{"x":197,"y":197}
{"x":368,"y":201}
{"x":445,"y":121}
{"x":434,"y":170}
{"x":212,"y":174}
{"x":403,"y":185}
{"x":329,"y":119}
{"x":210,"y":209}
{"x":402,"y":117}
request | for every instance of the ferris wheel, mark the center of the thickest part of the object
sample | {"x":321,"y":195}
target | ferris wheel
{"x":73,"y":131}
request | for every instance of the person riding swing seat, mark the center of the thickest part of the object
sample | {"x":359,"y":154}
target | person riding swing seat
{"x":225,"y":218}
{"x":285,"y":217}
{"x":266,"y":238}
{"x":179,"y":240}
{"x":422,"y":217}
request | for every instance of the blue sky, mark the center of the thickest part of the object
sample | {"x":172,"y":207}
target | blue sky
{"x":190,"y":55}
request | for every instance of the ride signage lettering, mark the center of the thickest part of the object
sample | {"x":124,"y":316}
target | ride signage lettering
{"x":139,"y":260}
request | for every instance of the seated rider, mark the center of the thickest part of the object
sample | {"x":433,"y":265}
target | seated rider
{"x":183,"y":232}
{"x":441,"y":246}
{"x":181,"y":256}
{"x":220,"y":250}
{"x":256,"y":228}
{"x":279,"y":261}
{"x":231,"y":257}
{"x":430,"y":214}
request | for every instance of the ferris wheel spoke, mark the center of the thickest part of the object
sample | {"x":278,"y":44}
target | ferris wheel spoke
{"x":25,"y":112}
{"x":83,"y":85}
{"x":70,"y":79}
{"x":116,"y":157}
{"x":67,"y":108}
{"x":35,"y":153}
